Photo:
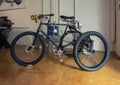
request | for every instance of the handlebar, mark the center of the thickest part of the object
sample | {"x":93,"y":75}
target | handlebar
{"x":43,"y":15}
{"x":38,"y":17}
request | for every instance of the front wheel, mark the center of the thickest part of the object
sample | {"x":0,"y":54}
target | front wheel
{"x":27,"y":48}
{"x":91,"y":51}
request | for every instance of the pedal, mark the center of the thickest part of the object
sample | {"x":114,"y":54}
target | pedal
{"x":60,"y":57}
{"x":59,"y":53}
{"x":29,"y":67}
{"x":61,"y":60}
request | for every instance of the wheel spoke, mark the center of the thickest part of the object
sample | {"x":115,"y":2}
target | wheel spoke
{"x":22,"y":50}
{"x":92,"y":51}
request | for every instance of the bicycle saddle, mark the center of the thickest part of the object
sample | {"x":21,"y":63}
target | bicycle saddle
{"x":67,"y":17}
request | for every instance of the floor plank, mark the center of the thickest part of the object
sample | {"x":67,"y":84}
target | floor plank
{"x":50,"y":72}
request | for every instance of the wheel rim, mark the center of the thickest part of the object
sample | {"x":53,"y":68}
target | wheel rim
{"x":94,"y":57}
{"x":25,"y":52}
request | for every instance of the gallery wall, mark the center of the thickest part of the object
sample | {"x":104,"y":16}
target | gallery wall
{"x":94,"y":14}
{"x":21,"y":17}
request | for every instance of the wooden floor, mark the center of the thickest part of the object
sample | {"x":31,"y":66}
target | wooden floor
{"x":50,"y":72}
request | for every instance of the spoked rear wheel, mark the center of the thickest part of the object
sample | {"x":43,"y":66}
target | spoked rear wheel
{"x":24,"y":52}
{"x":91,"y":51}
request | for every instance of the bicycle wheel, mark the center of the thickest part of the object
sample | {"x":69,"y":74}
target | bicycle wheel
{"x":24,"y":51}
{"x":91,"y":51}
{"x":68,"y":40}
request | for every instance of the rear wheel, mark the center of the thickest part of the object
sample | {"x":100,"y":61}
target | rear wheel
{"x":91,"y":51}
{"x":24,"y":51}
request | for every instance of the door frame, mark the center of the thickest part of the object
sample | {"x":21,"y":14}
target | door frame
{"x":113,"y":25}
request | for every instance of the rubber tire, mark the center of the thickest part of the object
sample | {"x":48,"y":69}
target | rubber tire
{"x":13,"y":53}
{"x":103,"y":62}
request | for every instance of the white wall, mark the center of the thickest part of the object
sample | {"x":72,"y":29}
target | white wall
{"x":67,"y":7}
{"x":95,"y":14}
{"x":21,"y":17}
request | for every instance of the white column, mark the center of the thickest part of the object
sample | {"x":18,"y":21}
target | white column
{"x":67,"y":7}
{"x":46,"y":6}
{"x":112,"y":30}
{"x":118,"y":27}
